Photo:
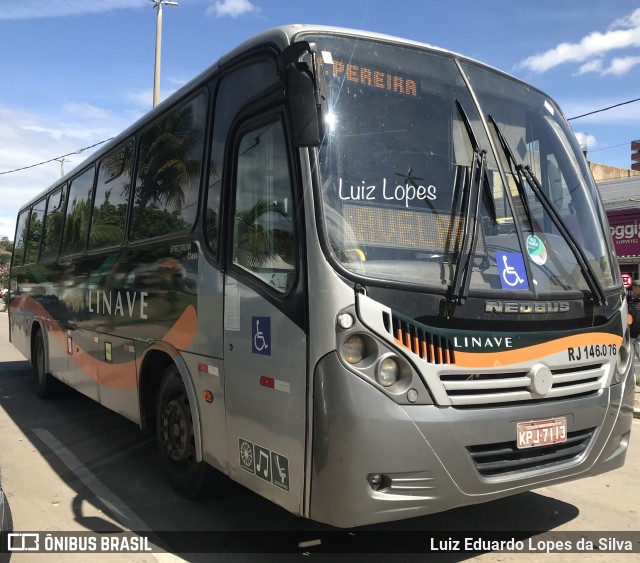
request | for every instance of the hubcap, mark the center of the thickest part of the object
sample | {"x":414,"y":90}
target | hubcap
{"x":176,"y":429}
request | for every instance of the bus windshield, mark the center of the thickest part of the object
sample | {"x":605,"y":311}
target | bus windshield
{"x":430,"y":165}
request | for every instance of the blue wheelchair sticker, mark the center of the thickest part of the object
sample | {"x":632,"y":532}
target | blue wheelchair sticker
{"x":261,"y":335}
{"x":513,"y":274}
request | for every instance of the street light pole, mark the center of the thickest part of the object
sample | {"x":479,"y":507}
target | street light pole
{"x":156,"y":74}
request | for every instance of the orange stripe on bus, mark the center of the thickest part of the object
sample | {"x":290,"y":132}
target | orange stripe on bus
{"x":182,"y":333}
{"x":120,"y":375}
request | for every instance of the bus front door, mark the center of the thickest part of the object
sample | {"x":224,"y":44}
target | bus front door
{"x":265,"y":342}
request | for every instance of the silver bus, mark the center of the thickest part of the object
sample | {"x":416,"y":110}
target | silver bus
{"x":364,"y":277}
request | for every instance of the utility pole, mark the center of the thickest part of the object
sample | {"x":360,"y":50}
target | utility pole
{"x":62,"y":161}
{"x":156,"y":75}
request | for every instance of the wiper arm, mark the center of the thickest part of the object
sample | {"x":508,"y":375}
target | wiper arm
{"x":462,"y":275}
{"x":589,"y":275}
{"x":471,"y":225}
{"x":514,"y":172}
{"x":476,"y":149}
{"x":587,"y":271}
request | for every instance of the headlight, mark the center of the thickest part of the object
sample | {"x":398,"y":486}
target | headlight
{"x":354,"y":349}
{"x":387,"y":371}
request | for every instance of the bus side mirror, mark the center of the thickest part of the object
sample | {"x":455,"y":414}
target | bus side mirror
{"x":305,"y":94}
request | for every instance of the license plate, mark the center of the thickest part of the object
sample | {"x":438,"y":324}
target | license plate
{"x":542,"y":432}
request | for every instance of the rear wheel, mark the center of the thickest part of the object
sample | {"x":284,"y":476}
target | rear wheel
{"x":46,"y":384}
{"x":176,"y":440}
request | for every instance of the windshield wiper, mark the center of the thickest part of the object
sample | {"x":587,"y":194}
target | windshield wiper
{"x":587,"y":271}
{"x":514,"y":172}
{"x":589,"y":275}
{"x":476,"y":149}
{"x":462,"y":274}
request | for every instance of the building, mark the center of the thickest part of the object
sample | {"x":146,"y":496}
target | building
{"x":620,"y":191}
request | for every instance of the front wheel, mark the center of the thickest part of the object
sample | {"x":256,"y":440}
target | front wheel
{"x":176,"y":440}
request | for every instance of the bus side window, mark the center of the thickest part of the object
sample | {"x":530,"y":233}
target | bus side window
{"x":76,"y":223}
{"x":112,"y":198}
{"x":21,"y":238}
{"x":35,"y":232}
{"x":235,"y":90}
{"x":169,"y":168}
{"x":263,"y":229}
{"x":53,"y":221}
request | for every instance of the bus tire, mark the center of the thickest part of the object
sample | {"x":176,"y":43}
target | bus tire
{"x":46,"y":384}
{"x":176,"y":442}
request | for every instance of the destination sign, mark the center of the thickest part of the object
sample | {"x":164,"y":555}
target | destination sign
{"x":366,"y":75}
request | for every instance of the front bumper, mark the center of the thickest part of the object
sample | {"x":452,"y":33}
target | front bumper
{"x":423,"y":450}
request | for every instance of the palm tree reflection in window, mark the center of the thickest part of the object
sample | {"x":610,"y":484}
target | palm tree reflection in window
{"x":264,"y":242}
{"x":169,"y":167}
{"x":111,"y":200}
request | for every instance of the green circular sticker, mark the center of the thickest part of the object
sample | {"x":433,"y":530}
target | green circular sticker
{"x":536,"y":250}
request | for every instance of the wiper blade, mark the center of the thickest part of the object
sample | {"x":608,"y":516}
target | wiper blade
{"x":587,"y":271}
{"x":514,"y":172}
{"x":462,"y":275}
{"x":472,"y":224}
{"x":589,"y":275}
{"x":476,"y":149}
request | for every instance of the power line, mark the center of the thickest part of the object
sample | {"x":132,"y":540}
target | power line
{"x":56,"y":158}
{"x":611,"y":147}
{"x":604,"y":109}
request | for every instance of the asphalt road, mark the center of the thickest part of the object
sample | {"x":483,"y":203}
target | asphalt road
{"x":70,"y":465}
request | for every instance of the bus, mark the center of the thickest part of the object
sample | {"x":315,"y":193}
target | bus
{"x":364,"y":277}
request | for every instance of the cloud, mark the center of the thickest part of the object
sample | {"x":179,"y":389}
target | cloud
{"x":31,"y":9}
{"x":587,"y":142}
{"x":28,"y":138}
{"x":592,"y":66}
{"x":143,"y":99}
{"x":621,"y":65}
{"x":232,"y":8}
{"x":22,"y":147}
{"x":623,"y":33}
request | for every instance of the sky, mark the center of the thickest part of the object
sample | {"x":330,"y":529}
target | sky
{"x":76,"y":72}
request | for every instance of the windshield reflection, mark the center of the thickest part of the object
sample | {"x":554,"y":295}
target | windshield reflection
{"x":415,"y":190}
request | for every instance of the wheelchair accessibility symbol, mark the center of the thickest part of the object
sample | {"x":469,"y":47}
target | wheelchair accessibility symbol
{"x":513,"y":274}
{"x":261,"y":335}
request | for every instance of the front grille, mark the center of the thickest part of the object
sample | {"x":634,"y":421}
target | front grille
{"x":472,"y":389}
{"x":486,"y":387}
{"x":432,"y":348}
{"x":499,"y":459}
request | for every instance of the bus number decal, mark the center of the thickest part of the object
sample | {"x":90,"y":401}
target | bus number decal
{"x":590,"y":352}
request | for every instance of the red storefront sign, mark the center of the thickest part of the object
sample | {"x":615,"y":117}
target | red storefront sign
{"x":625,"y":231}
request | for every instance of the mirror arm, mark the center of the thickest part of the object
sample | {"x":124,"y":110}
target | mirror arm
{"x":291,"y":55}
{"x":291,"y":70}
{"x":293,"y":52}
